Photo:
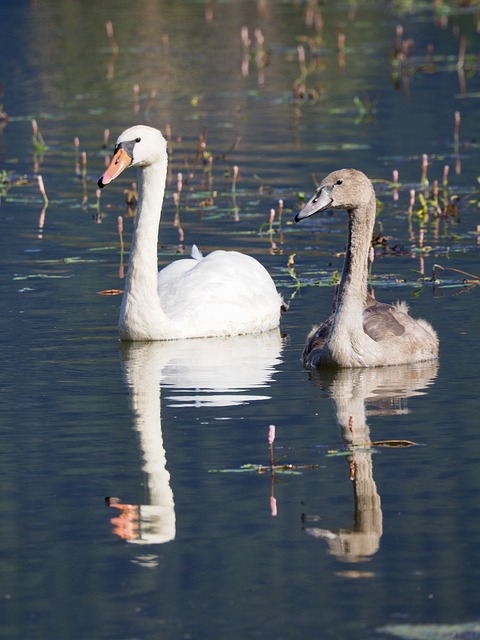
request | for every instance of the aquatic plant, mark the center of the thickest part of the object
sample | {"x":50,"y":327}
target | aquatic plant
{"x":366,"y":108}
{"x":269,"y":228}
{"x":43,"y":212}
{"x":76,"y":150}
{"x":39,"y":144}
{"x":469,"y":278}
{"x":176,"y":199}
{"x":3,"y":114}
{"x":115,"y":49}
{"x":257,"y":55}
{"x":299,"y":88}
{"x":273,"y":467}
{"x":6,"y":182}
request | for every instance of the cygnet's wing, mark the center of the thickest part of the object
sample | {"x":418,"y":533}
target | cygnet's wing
{"x":382,"y":321}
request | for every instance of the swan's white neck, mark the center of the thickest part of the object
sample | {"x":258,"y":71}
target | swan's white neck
{"x":143,"y":264}
{"x":141,"y":316}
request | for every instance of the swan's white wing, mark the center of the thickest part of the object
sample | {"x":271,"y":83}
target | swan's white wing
{"x":173,"y":272}
{"x":220,"y":291}
{"x":175,"y":269}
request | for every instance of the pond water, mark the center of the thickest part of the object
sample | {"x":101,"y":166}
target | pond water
{"x":127,"y":511}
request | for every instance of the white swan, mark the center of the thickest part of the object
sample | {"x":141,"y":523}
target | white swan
{"x":361,"y":332}
{"x":222,"y":294}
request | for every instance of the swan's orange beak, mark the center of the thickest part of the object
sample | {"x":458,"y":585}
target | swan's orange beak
{"x":120,"y":161}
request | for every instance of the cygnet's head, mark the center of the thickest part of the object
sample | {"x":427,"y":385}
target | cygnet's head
{"x":344,"y":189}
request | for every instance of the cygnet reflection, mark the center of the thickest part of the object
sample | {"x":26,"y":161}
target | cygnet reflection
{"x":385,"y":390}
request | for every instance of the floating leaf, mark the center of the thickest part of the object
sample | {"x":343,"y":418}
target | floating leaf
{"x":331,"y":453}
{"x":285,"y":469}
{"x":110,"y":292}
{"x":355,"y":147}
{"x":467,"y":631}
{"x":355,"y":575}
{"x":392,"y":443}
{"x":42,"y":276}
{"x":241,"y":470}
{"x":77,"y":260}
{"x":366,"y":447}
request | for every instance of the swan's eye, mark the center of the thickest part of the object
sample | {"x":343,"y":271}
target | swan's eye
{"x":137,"y":139}
{"x":339,"y":182}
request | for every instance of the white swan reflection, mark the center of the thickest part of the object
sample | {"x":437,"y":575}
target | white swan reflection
{"x":385,"y":390}
{"x":214,"y":372}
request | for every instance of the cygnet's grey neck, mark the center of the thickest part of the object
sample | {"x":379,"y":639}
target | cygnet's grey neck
{"x":353,"y":284}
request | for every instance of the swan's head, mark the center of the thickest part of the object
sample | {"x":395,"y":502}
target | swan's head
{"x":137,"y":146}
{"x":345,"y":189}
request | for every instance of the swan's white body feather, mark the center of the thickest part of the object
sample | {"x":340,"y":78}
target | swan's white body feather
{"x":224,"y":293}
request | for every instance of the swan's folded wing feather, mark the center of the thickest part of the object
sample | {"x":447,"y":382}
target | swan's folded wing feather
{"x":173,"y":271}
{"x":221,"y":288}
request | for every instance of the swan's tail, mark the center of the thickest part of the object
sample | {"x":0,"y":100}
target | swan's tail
{"x":196,"y":253}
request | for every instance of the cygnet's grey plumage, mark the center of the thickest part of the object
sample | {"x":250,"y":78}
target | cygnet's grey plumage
{"x":361,"y":332}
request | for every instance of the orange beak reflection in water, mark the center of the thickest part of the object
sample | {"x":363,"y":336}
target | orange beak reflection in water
{"x":126,"y":525}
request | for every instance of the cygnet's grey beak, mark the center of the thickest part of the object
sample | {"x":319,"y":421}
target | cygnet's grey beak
{"x":319,"y":202}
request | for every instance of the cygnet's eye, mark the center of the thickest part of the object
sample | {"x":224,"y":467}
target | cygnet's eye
{"x":339,"y":181}
{"x":138,"y":139}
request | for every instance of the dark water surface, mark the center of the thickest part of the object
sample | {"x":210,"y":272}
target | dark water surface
{"x":389,"y":537}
